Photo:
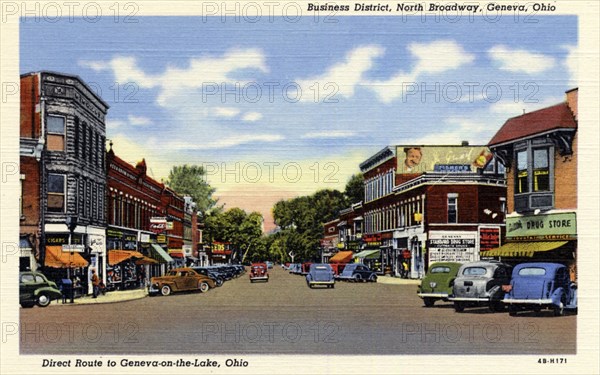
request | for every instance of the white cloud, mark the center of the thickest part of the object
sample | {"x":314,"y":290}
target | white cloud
{"x":139,"y":120}
{"x":226,"y":112}
{"x":344,"y":76}
{"x":431,"y":58}
{"x":225,"y":142}
{"x":329,"y":134}
{"x":518,"y":60}
{"x":115,"y":124}
{"x":513,"y":109}
{"x":572,"y":64}
{"x":252,"y":116}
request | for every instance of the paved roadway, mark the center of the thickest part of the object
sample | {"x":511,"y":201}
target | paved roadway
{"x":284,"y":316}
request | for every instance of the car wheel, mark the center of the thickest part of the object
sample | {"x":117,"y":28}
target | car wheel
{"x":357,"y":278}
{"x":27,"y":305}
{"x":512,"y":310}
{"x":332,"y":286}
{"x":459,"y":306}
{"x":165,"y":290}
{"x":203,"y":286}
{"x":43,"y":300}
{"x":496,"y":306}
{"x":373,"y":278}
{"x":428,"y":301}
{"x":219,"y":282}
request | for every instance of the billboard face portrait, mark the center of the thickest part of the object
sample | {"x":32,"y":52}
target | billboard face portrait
{"x":445,"y":159}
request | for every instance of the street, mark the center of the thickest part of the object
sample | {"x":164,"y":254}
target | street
{"x":284,"y":316}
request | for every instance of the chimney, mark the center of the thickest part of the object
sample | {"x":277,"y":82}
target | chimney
{"x":572,"y":100}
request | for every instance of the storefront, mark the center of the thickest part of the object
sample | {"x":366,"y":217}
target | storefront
{"x":126,"y":268}
{"x":547,"y":238}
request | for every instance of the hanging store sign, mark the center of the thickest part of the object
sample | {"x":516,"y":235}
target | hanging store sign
{"x":489,"y":238}
{"x":158,"y":224}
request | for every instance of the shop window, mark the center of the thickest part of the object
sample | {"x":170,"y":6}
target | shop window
{"x":56,"y":192}
{"x":453,"y":208}
{"x":56,"y":133}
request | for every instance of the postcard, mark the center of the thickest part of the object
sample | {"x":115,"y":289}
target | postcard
{"x":299,"y":187}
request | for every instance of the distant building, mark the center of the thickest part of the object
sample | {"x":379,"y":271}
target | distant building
{"x":539,"y":150}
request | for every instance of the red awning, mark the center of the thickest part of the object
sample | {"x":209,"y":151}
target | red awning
{"x":56,"y":258}
{"x":342,"y":257}
{"x":118,"y":256}
{"x":176,"y":253}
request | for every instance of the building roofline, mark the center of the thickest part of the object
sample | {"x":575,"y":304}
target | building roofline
{"x":74,"y":76}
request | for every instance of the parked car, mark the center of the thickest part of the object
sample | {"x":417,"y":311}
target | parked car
{"x":320,"y":274}
{"x":357,"y":272}
{"x":178,"y":280}
{"x":438,"y":282}
{"x":480,"y":284}
{"x":208,"y":272}
{"x":269,"y":264}
{"x":36,"y":289}
{"x":305,"y":268}
{"x":296,"y":268}
{"x":259,"y":272}
{"x":537,"y":286}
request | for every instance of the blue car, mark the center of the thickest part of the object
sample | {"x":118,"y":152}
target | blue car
{"x":537,"y":286}
{"x":320,"y":274}
{"x":357,"y":272}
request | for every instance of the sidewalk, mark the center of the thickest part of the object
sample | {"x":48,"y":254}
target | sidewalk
{"x":397,"y":280}
{"x":109,"y":297}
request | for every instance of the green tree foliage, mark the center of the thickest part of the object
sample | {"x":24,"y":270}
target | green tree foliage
{"x":301,"y":221}
{"x":243,"y":231}
{"x":354,"y":189}
{"x":190,"y":180}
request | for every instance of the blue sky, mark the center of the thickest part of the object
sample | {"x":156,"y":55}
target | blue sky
{"x":171,"y":71}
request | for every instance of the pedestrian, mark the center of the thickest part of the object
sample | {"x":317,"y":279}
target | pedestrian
{"x":95,"y":284}
{"x":405,"y":270}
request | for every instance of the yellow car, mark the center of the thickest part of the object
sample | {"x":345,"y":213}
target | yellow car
{"x":179,"y":280}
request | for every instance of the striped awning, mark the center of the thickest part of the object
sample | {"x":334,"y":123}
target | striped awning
{"x":342,"y":257}
{"x":523,"y":249}
{"x":56,"y":258}
{"x":368,"y":254}
{"x":159,"y":254}
{"x":118,"y":256}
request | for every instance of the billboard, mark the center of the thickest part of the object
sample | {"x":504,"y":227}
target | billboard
{"x":444,"y":159}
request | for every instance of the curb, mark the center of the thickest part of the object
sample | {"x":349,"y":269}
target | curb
{"x":111,"y":297}
{"x":397,"y":281}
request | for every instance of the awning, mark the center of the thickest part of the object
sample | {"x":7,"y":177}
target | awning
{"x":118,"y":256}
{"x":368,"y":254}
{"x":523,"y":249}
{"x":146,"y":260}
{"x":56,"y":258}
{"x":342,"y":257}
{"x":176,"y":253}
{"x":342,"y":223}
{"x":159,"y":254}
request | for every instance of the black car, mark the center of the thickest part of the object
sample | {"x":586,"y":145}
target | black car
{"x":218,"y":279}
{"x":357,"y":272}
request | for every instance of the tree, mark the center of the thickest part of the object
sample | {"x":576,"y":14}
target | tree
{"x":190,"y":180}
{"x":355,"y":188}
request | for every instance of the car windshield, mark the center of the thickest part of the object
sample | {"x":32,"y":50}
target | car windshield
{"x":440,"y":270}
{"x":532,"y":271}
{"x":474,"y":271}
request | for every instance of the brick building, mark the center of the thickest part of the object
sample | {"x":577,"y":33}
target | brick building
{"x":539,"y":150}
{"x":63,"y":178}
{"x":447,"y":205}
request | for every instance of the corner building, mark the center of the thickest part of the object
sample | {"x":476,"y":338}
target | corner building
{"x":539,"y":150}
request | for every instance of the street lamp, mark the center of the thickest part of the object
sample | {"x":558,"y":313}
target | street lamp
{"x":71,"y":222}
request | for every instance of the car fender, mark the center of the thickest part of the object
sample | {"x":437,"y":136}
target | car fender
{"x":54,"y":293}
{"x":557,"y":294}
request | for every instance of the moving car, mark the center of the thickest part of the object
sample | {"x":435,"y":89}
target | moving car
{"x":320,"y":274}
{"x":537,"y":286}
{"x":178,"y":280}
{"x":438,"y":282}
{"x":357,"y":272}
{"x":36,"y":289}
{"x":480,"y":284}
{"x":259,"y":272}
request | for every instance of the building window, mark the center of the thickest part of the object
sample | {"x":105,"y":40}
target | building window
{"x":453,"y":208}
{"x":56,"y":192}
{"x":56,"y":133}
{"x":541,"y":170}
{"x":522,"y":183}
